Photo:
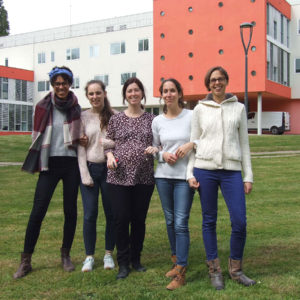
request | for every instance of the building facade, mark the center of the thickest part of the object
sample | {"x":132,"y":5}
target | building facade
{"x":16,"y":99}
{"x":111,"y":50}
{"x":181,"y":41}
{"x":193,"y":36}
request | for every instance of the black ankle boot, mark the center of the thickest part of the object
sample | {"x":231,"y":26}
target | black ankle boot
{"x":138,"y":267}
{"x":124,"y":271}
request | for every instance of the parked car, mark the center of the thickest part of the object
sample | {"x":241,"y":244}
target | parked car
{"x":276,"y":122}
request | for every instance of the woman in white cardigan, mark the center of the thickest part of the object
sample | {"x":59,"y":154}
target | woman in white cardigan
{"x":219,"y":124}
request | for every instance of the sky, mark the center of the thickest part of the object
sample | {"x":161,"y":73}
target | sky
{"x":32,"y":15}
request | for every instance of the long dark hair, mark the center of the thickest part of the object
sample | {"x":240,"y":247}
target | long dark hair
{"x":106,"y":111}
{"x":138,"y":83}
{"x":179,"y":90}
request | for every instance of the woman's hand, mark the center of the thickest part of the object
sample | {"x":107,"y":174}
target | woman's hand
{"x":247,"y":187}
{"x":151,"y":150}
{"x":169,"y":158}
{"x":111,"y":161}
{"x":184,"y":149}
{"x":88,"y":182}
{"x":193,"y":183}
{"x":83,"y":141}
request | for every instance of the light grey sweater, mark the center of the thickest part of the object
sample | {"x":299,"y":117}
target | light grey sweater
{"x":169,"y":134}
{"x":221,"y":131}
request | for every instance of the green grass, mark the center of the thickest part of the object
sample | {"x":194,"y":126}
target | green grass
{"x":271,"y":253}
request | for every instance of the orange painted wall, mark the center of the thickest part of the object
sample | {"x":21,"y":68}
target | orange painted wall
{"x":15,"y":73}
{"x":207,"y":40}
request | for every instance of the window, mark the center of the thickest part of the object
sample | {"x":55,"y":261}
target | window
{"x":75,"y":84}
{"x":94,"y":50}
{"x":52,"y":56}
{"x":125,"y":76}
{"x":143,"y":45}
{"x":6,"y":62}
{"x":73,"y":54}
{"x":278,"y":62}
{"x":4,"y":88}
{"x":21,"y":90}
{"x":299,"y":26}
{"x":297,"y":65}
{"x":104,"y":78}
{"x":41,"y":57}
{"x":117,"y":48}
{"x":275,"y":30}
{"x":109,"y":28}
{"x":43,"y":86}
{"x":123,"y":27}
{"x":153,"y":110}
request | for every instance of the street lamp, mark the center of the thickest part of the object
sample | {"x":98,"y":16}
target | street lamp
{"x":242,"y":27}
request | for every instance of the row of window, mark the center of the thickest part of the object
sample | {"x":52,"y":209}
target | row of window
{"x":115,"y":48}
{"x":20,"y":89}
{"x":15,"y":117}
{"x":278,"y":26}
{"x":45,"y":84}
{"x":278,"y":64}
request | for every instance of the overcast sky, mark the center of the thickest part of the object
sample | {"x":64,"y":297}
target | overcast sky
{"x":31,"y":15}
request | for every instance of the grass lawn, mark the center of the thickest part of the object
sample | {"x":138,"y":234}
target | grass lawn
{"x":271,"y":253}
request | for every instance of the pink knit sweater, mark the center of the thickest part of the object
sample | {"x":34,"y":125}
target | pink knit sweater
{"x":94,"y":152}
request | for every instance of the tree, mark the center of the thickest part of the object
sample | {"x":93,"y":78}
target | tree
{"x":4,"y":24}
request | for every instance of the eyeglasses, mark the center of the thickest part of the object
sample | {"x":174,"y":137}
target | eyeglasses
{"x":220,"y":79}
{"x":63,"y":84}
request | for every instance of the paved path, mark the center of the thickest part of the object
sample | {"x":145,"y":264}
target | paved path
{"x":253,"y":155}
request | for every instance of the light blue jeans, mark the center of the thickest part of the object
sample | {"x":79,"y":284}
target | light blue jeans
{"x":176,"y":199}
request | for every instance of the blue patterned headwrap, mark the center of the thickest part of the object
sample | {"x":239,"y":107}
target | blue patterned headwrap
{"x":58,"y":71}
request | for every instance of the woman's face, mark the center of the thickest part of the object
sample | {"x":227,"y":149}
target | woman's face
{"x":218,"y":84}
{"x":170,"y":94}
{"x":134,"y":94}
{"x":96,"y":96}
{"x":61,"y":87}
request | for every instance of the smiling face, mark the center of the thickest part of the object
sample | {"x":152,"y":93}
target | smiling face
{"x":61,"y":87}
{"x":96,"y":96}
{"x":170,"y":94}
{"x":217,"y":85}
{"x":134,"y":94}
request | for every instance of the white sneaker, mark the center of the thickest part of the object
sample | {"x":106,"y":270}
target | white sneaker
{"x":108,"y":262}
{"x":88,"y":264}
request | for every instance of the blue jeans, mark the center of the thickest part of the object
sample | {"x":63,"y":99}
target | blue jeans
{"x":176,"y":199}
{"x":232,"y":188}
{"x":90,"y":195}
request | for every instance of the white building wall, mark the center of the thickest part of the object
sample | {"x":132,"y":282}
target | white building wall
{"x":22,"y":52}
{"x":295,"y":50}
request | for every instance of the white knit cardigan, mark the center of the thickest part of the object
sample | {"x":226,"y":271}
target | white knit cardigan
{"x":222,"y":137}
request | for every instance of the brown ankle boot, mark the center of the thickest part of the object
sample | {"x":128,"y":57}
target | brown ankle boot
{"x":179,"y":279}
{"x":25,"y":266}
{"x":172,"y":273}
{"x":215,"y":273}
{"x":236,"y":272}
{"x":66,"y":260}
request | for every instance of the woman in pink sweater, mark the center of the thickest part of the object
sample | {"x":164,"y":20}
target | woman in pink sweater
{"x":93,"y":171}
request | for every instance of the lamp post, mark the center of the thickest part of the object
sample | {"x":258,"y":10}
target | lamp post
{"x":246,"y":48}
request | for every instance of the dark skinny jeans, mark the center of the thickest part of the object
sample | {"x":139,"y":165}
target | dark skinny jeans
{"x":60,"y":168}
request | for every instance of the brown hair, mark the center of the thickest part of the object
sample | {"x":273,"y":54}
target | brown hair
{"x":210,"y":71}
{"x":138,"y":83}
{"x":179,"y":90}
{"x":106,"y":112}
